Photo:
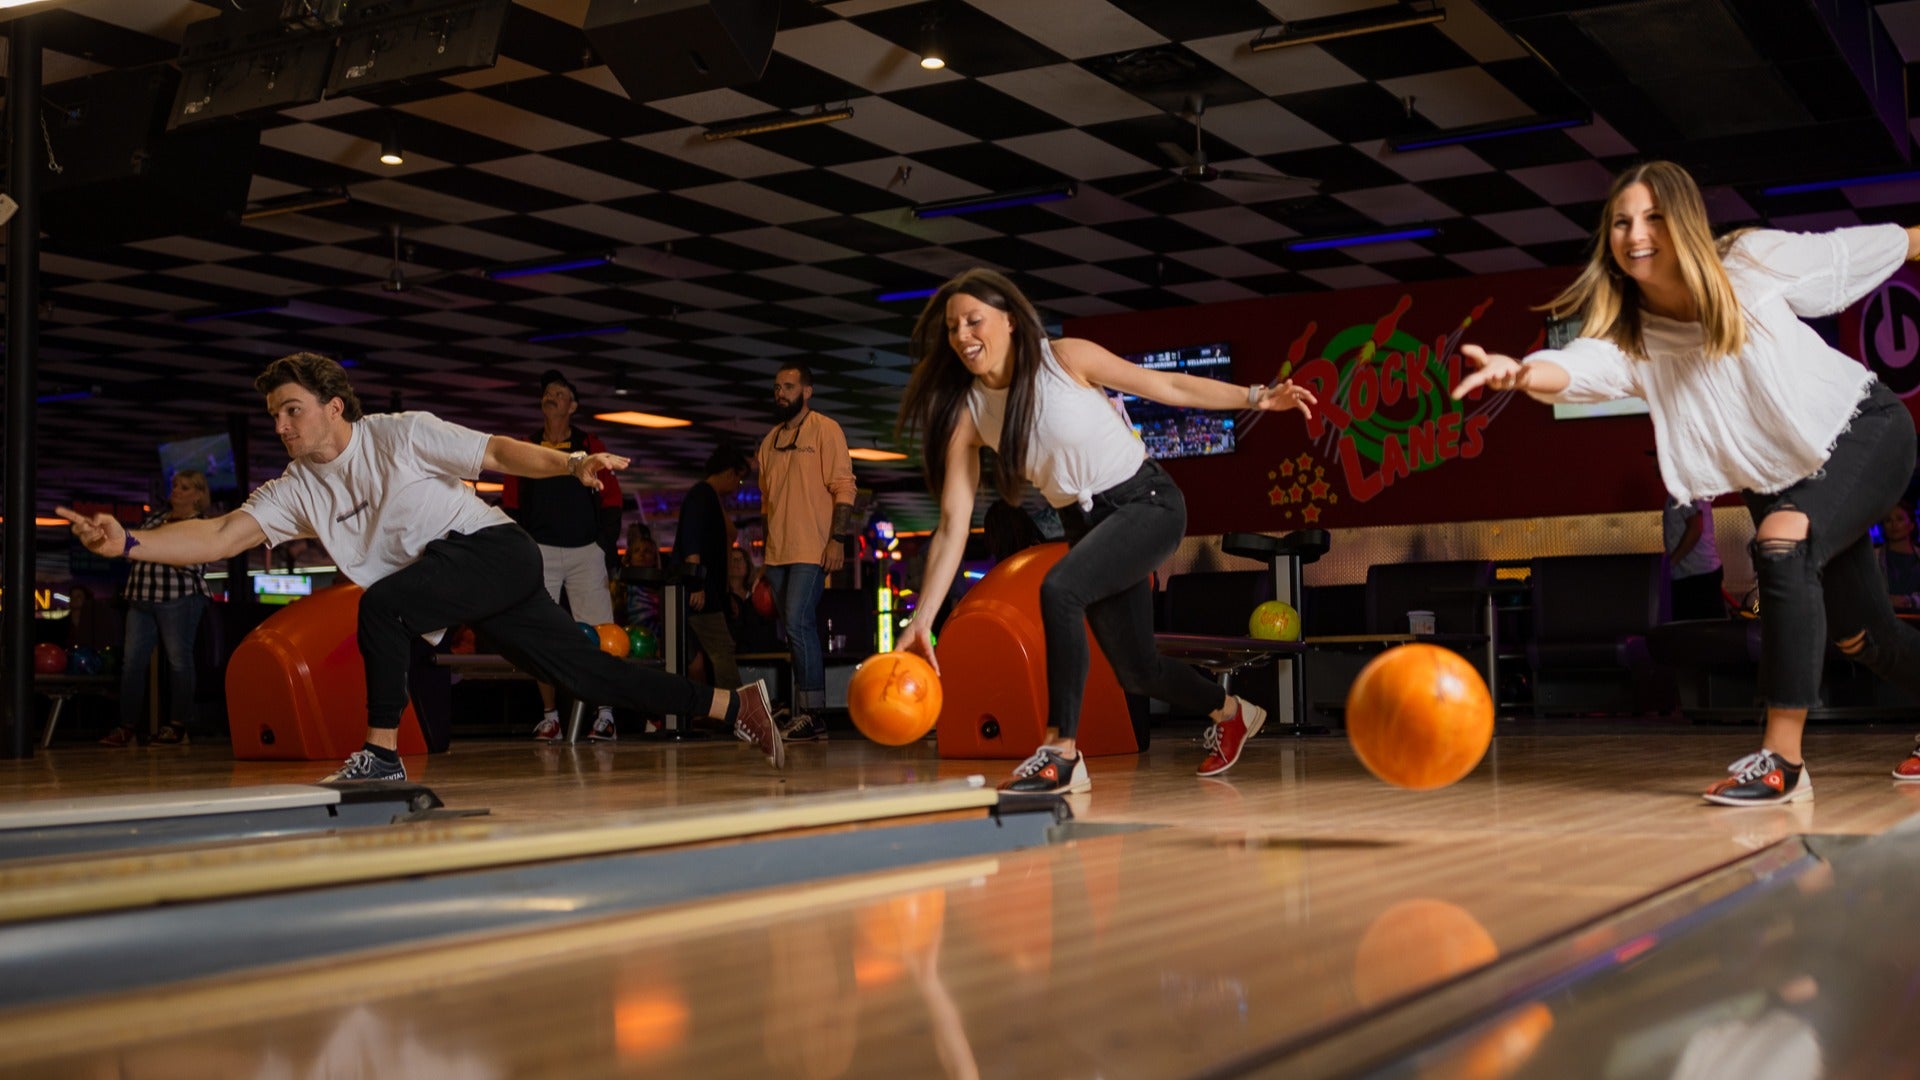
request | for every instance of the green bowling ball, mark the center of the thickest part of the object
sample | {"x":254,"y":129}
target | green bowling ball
{"x":641,"y":643}
{"x":1274,"y":620}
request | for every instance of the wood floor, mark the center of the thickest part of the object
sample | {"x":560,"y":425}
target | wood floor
{"x":1284,"y":901}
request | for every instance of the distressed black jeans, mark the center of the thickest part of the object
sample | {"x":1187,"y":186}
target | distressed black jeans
{"x":1828,"y":586}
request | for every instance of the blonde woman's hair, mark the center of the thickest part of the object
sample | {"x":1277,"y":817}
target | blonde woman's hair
{"x":197,"y":480}
{"x":1608,"y":301}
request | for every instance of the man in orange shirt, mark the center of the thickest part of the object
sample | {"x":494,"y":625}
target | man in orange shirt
{"x":807,"y":489}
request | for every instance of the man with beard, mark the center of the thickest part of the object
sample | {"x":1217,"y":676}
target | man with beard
{"x":807,"y":489}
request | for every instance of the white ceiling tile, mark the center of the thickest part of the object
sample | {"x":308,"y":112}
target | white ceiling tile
{"x":1073,"y":28}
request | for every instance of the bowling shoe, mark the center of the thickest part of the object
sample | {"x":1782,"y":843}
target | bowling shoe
{"x":1049,"y":772}
{"x":1909,"y":770}
{"x":1761,"y":779}
{"x":1225,"y":740}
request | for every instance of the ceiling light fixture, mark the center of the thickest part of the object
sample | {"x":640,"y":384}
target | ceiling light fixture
{"x":1361,"y":239}
{"x":903,"y":294}
{"x":549,"y":266}
{"x":1830,"y":185}
{"x":391,"y":153}
{"x":974,"y":204}
{"x":1313,"y":31}
{"x":932,"y":56}
{"x":1496,"y":130}
{"x":770,"y":122}
{"x":640,"y":419}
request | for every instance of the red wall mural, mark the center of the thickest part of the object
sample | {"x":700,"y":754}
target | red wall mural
{"x":1388,"y":445}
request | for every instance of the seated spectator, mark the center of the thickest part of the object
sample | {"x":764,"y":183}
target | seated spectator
{"x":1899,"y":561}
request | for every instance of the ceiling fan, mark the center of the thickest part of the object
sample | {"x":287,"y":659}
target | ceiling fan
{"x":1191,"y":167}
{"x":399,"y":282}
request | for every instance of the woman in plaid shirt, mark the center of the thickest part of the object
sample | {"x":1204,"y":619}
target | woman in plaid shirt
{"x":164,"y":604}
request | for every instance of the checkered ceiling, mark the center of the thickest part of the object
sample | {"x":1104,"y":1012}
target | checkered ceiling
{"x":732,"y":256}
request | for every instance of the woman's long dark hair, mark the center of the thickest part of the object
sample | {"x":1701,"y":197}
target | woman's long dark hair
{"x":938,"y":390}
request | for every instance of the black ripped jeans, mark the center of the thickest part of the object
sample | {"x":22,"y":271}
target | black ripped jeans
{"x":1104,"y":584}
{"x":1828,"y":586}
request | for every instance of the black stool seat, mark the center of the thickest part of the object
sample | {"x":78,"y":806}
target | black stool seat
{"x":1307,"y":545}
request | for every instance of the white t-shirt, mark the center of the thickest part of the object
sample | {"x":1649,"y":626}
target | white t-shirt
{"x":394,"y":490}
{"x":1078,"y":447}
{"x":1768,"y":417}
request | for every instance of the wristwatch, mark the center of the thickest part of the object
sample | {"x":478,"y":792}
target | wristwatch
{"x":574,"y":459}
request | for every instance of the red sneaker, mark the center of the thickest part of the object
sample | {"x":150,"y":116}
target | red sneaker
{"x":1909,"y":770}
{"x":1224,"y":741}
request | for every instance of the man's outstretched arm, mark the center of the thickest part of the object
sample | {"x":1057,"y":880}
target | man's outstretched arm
{"x":182,"y":543}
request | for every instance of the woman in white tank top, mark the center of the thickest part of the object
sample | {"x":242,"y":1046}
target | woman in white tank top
{"x":988,"y":377}
{"x":1745,"y":396}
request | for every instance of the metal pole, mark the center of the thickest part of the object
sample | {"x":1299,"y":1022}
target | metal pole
{"x":23,"y":299}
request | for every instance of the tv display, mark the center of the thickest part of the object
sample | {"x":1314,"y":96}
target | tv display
{"x":211,"y":454}
{"x":1173,"y":432}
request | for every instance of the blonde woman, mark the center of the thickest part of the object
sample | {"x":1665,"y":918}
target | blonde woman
{"x":164,"y":606}
{"x":1746,"y":397}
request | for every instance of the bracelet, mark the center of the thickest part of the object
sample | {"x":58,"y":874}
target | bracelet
{"x":1253,"y":394}
{"x":127,"y":552}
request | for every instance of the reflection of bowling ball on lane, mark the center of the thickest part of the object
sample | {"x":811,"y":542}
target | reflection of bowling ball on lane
{"x":49,"y":659}
{"x":894,"y":698}
{"x":1415,"y":944}
{"x":1419,"y":716}
{"x":763,"y":598}
{"x":1498,"y":1049}
{"x":650,"y":1017}
{"x":612,"y":639}
{"x":893,"y":930}
{"x":641,"y":642}
{"x":1274,"y":620}
{"x":85,"y":660}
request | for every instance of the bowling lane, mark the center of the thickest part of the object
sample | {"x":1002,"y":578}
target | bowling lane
{"x":1150,"y":953}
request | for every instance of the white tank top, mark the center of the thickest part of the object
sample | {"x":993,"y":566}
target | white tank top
{"x":1079,"y":446}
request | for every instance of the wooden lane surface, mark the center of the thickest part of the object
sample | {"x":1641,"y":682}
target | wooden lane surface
{"x":1295,"y":896}
{"x":145,"y":878}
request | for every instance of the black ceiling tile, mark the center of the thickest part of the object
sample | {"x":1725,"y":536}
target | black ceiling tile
{"x":1160,"y":234}
{"x":1338,"y":168}
{"x":818,"y":145}
{"x":1413,"y":50}
{"x":991,"y":167}
{"x":1483,"y":193}
{"x":683,"y":213}
{"x":1536,"y":84}
{"x":1355,"y":112}
{"x":977,"y":109}
{"x":1013,"y":253}
{"x":571,"y":101}
{"x":1511,"y":152}
{"x":543,"y":41}
{"x":1560,"y":252}
{"x":857,"y":234}
{"x":490,"y":189}
{"x":288,"y":167}
{"x":1211,"y":18}
{"x":974,"y":43}
{"x":831,"y":191}
{"x":1428,"y":269}
{"x":867,"y":268}
{"x":1157,"y":270}
{"x":798,"y":87}
{"x":725,"y":255}
{"x":547,"y":234}
{"x":1460,"y":235}
{"x":637,"y":164}
{"x":1280,"y":284}
{"x":765,"y":290}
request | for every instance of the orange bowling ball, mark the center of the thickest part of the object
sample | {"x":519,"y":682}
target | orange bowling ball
{"x":894,"y":698}
{"x":1419,"y":716}
{"x":613,"y":639}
